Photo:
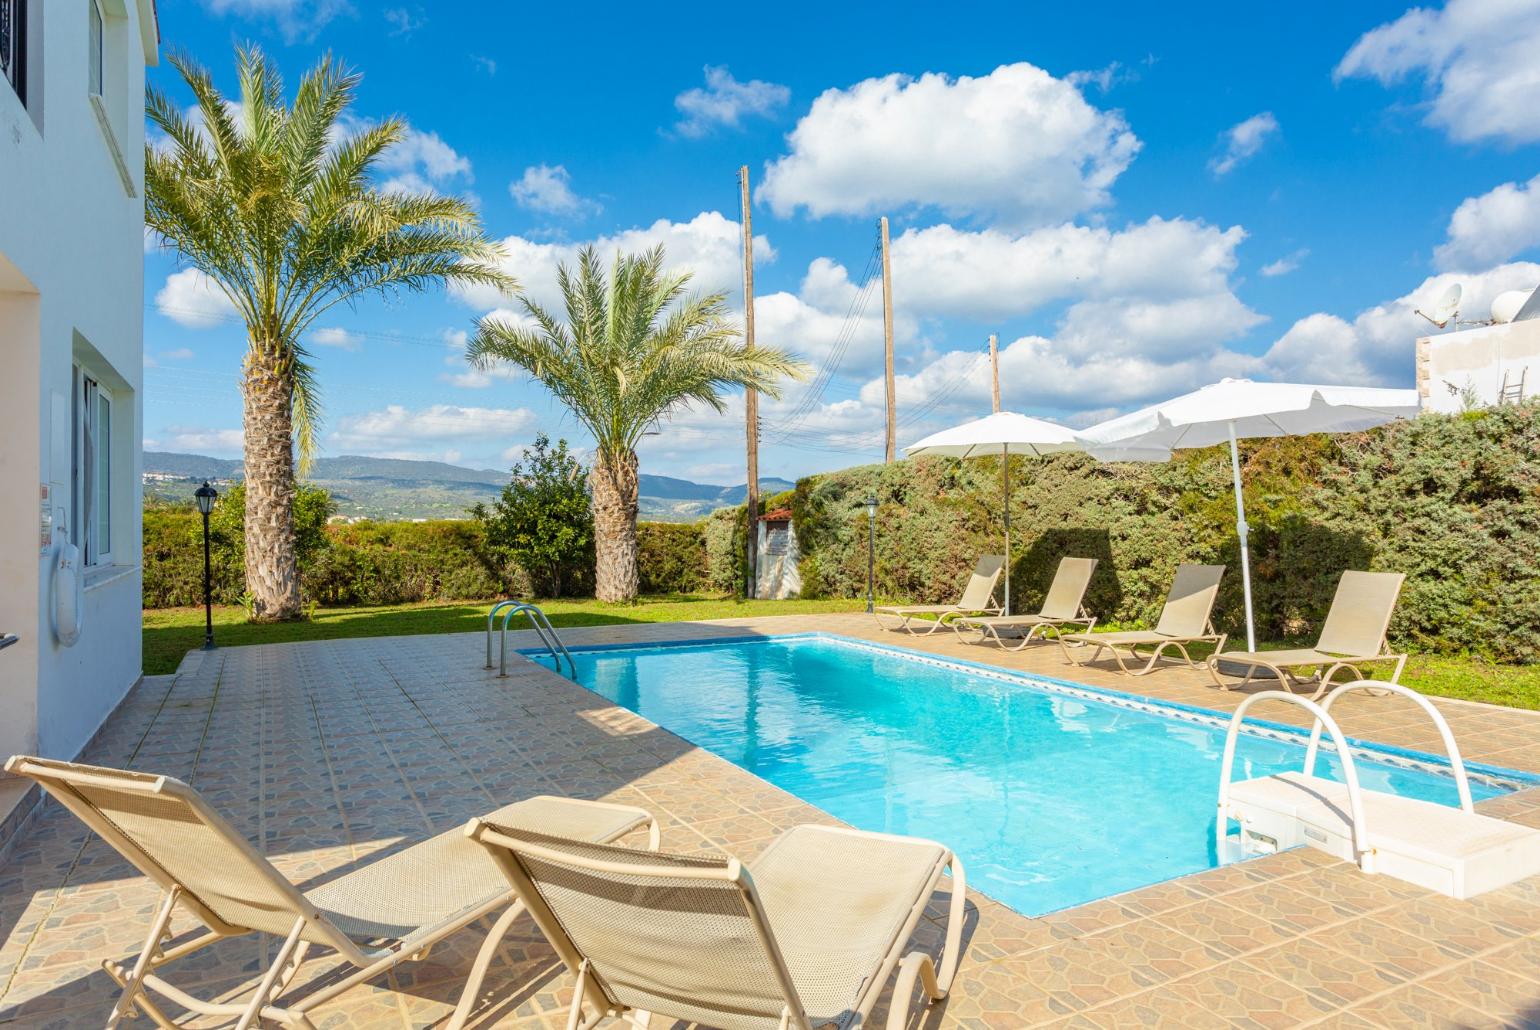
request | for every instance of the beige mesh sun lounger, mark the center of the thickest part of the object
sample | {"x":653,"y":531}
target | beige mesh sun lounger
{"x":977,"y":599}
{"x":1354,"y":635}
{"x":1062,"y":608}
{"x":805,"y":936}
{"x":378,"y":915}
{"x":1184,"y":620}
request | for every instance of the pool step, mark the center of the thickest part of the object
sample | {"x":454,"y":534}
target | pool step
{"x":1458,"y":853}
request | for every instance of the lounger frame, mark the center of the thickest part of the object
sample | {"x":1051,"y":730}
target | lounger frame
{"x":974,"y":601}
{"x":1160,"y":642}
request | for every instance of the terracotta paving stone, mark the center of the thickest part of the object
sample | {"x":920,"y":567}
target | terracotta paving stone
{"x":328,"y":753}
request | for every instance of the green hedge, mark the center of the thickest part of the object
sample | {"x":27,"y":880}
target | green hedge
{"x":373,"y":563}
{"x":1452,"y":501}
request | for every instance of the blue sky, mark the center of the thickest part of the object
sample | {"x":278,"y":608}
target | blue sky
{"x":1137,"y":201}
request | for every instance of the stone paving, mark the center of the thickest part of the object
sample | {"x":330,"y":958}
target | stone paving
{"x":330,"y":752}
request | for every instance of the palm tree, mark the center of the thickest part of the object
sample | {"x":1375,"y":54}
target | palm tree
{"x":276,"y":206}
{"x":633,"y":350}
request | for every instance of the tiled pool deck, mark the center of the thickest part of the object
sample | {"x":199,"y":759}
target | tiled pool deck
{"x":325,"y":753}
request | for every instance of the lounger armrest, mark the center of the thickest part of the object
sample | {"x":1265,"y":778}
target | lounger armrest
{"x":916,"y":969}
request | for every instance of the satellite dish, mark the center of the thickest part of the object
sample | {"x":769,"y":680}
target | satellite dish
{"x":1507,"y":305}
{"x":1447,"y":308}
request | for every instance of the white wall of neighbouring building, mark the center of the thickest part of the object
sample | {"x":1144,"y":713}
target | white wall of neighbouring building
{"x":71,"y":362}
{"x":1472,"y":366}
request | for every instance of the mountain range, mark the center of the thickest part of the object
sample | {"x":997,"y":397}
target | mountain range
{"x":394,"y":488}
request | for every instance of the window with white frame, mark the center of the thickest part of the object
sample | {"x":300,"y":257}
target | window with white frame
{"x":95,"y":52}
{"x":91,"y":486}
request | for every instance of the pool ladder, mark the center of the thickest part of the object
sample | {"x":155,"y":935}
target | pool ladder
{"x":542,"y":627}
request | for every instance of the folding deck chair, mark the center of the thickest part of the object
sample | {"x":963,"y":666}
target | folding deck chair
{"x":1354,"y":634}
{"x":383,"y":913}
{"x":978,"y":597}
{"x":1062,"y":607}
{"x":805,"y":936}
{"x":1184,"y":620}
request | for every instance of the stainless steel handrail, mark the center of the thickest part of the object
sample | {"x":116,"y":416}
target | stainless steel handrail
{"x":541,"y":624}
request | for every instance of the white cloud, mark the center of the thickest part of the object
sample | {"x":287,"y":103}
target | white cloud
{"x":1285,"y":264}
{"x":462,"y":374}
{"x":1493,"y":227}
{"x":193,"y":439}
{"x":295,"y":19}
{"x":178,"y":354}
{"x":548,"y":189}
{"x":421,"y":162}
{"x":707,"y":246}
{"x":190,"y":298}
{"x":398,"y":431}
{"x":1476,"y":58}
{"x":725,"y":102}
{"x":1243,"y":140}
{"x":1016,"y":144}
{"x":405,"y":21}
{"x":1104,"y":79}
{"x":484,"y":64}
{"x":943,"y":270}
{"x":1377,"y":346}
{"x":335,"y":336}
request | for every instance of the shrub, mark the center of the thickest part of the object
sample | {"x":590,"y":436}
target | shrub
{"x":543,"y":523}
{"x":671,"y":557}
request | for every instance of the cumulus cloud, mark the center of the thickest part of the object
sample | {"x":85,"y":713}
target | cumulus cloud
{"x":548,"y":190}
{"x":335,"y":336}
{"x":199,"y":440}
{"x":1377,"y":346}
{"x":724,"y":102}
{"x":707,"y":246}
{"x":191,"y":299}
{"x":396,"y":431}
{"x":1493,"y":227}
{"x":1285,"y":264}
{"x":295,"y":19}
{"x":1476,"y":59}
{"x":460,"y":372}
{"x":420,"y":163}
{"x":991,"y":273}
{"x":1016,"y":144}
{"x":1243,"y":140}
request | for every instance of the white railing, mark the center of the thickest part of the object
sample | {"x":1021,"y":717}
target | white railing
{"x":542,"y":627}
{"x":1363,"y":854}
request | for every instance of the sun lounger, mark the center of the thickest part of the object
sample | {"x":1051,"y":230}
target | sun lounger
{"x":977,"y":599}
{"x":807,"y":935}
{"x":1063,"y":607}
{"x":378,"y":915}
{"x":1184,"y":620}
{"x":1353,"y":636}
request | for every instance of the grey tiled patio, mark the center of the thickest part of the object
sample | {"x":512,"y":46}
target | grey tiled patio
{"x":327,"y":753}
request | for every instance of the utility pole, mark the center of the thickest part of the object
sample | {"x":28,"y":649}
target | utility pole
{"x":750,"y":396}
{"x":887,"y":339}
{"x":994,"y":371}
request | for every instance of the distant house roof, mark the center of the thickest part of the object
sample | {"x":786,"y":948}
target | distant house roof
{"x":778,"y":515}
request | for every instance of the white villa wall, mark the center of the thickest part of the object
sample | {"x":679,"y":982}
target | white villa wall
{"x":1477,"y":359}
{"x":71,"y":291}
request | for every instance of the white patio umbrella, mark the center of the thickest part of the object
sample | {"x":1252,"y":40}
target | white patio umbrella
{"x":1002,"y":433}
{"x":1240,"y":408}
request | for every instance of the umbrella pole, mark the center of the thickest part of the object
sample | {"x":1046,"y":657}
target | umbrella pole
{"x":1005,"y":487}
{"x":1240,"y":531}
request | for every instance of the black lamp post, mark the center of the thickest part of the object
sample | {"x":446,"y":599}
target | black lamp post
{"x":871,"y":550}
{"x":206,"y":496}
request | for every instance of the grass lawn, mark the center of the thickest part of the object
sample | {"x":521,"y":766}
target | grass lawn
{"x":171,"y":632}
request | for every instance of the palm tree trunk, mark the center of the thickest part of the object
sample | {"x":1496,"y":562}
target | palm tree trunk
{"x":272,"y":572}
{"x":613,"y":483}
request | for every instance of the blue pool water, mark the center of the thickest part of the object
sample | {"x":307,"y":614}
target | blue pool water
{"x":1051,"y":800}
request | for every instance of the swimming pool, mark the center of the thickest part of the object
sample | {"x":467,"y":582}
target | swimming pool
{"x":1053,"y":794}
